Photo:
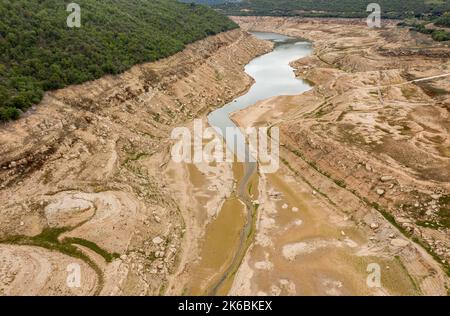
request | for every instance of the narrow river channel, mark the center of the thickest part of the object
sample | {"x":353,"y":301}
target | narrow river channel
{"x":273,"y":76}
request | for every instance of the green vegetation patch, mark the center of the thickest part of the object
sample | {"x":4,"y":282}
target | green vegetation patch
{"x":39,"y":52}
{"x":394,"y":9}
{"x":444,"y":20}
{"x":49,"y":239}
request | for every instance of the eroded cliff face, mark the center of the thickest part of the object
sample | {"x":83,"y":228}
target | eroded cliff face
{"x":83,"y":176}
{"x":366,"y":135}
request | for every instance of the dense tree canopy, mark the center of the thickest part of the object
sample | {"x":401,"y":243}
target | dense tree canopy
{"x":333,"y":8}
{"x":39,"y":52}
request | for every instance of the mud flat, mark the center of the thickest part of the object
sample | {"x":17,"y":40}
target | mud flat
{"x":343,"y":199}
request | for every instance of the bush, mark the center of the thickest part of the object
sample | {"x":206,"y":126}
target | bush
{"x":9,"y":113}
{"x":441,"y":35}
{"x":444,"y":20}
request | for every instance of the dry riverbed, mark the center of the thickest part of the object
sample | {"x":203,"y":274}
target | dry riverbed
{"x":86,"y":177}
{"x":319,"y":230}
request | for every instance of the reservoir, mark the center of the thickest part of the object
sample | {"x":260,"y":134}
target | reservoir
{"x":273,"y":76}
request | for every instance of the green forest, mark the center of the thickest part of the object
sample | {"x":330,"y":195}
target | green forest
{"x":422,"y":12}
{"x":39,"y":52}
{"x":337,"y":8}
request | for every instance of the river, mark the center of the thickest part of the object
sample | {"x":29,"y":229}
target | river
{"x":273,"y":76}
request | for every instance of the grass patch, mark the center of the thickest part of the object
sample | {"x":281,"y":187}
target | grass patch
{"x":109,"y":257}
{"x":49,"y":239}
{"x":341,"y":183}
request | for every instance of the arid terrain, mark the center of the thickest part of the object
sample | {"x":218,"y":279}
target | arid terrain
{"x":87,"y":178}
{"x":371,"y":143}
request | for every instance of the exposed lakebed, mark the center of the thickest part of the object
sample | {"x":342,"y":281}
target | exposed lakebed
{"x":278,"y":236}
{"x":273,"y":76}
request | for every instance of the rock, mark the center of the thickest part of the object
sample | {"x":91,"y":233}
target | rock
{"x":374,"y":226}
{"x":157,"y":218}
{"x":397,"y":242}
{"x":380,"y":192}
{"x":123,"y":257}
{"x":13,"y":164}
{"x":407,"y":225}
{"x":391,"y":235}
{"x":402,"y":220}
{"x":157,"y":240}
{"x":386,"y":178}
{"x":285,"y":206}
{"x":368,"y":167}
{"x":295,"y":209}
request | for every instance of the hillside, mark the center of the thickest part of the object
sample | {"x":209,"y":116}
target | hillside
{"x":210,"y":2}
{"x":38,"y":52}
{"x":336,"y":8}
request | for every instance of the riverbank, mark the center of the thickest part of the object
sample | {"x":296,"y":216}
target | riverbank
{"x":92,"y":161}
{"x":92,"y":164}
{"x":309,"y":124}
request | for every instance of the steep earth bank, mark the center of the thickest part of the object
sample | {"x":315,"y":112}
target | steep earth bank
{"x":86,"y":177}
